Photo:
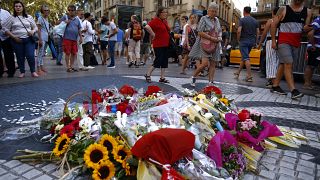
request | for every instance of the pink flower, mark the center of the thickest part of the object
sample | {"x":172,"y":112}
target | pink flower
{"x":248,"y":124}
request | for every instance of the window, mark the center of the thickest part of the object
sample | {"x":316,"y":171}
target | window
{"x":171,"y":2}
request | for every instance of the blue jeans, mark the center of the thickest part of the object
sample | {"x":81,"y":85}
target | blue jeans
{"x":111,"y":45}
{"x":25,"y":50}
{"x":52,"y":49}
{"x":58,"y":47}
{"x":245,"y":48}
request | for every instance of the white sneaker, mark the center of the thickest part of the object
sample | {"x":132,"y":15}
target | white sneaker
{"x":90,"y":67}
{"x":193,"y":82}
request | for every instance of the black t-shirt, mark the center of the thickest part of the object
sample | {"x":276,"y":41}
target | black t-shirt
{"x":146,"y":38}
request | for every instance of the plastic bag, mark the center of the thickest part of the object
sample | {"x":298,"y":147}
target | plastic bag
{"x":17,"y":133}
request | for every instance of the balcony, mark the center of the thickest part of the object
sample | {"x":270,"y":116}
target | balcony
{"x":178,"y":8}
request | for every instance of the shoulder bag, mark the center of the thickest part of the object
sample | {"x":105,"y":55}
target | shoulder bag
{"x":34,"y":37}
{"x":207,"y":45}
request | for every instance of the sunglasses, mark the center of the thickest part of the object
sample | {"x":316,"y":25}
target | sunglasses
{"x":71,"y":10}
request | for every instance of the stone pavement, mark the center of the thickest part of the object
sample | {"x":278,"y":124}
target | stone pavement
{"x":282,"y":163}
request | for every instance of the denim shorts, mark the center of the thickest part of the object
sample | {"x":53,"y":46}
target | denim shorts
{"x":245,"y":48}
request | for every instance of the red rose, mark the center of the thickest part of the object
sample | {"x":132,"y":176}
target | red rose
{"x":68,"y":129}
{"x":75,"y":123}
{"x":66,"y":120}
{"x":122,"y":107}
{"x":127,"y":90}
{"x":151,"y":90}
{"x":212,"y":89}
{"x":243,"y":116}
{"x":245,"y":111}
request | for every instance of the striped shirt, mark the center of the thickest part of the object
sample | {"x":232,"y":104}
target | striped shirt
{"x":291,"y":26}
{"x":4,"y":15}
{"x":316,"y":27}
{"x":14,"y":25}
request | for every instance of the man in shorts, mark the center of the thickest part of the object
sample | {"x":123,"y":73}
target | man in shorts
{"x":145,"y":45}
{"x":71,"y":34}
{"x":292,"y":19}
{"x":313,"y":52}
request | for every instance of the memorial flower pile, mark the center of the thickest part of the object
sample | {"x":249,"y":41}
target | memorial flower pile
{"x":136,"y":134}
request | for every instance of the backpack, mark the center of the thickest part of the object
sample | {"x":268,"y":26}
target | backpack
{"x":136,"y":31}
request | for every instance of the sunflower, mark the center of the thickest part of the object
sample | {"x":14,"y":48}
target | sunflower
{"x":224,"y":101}
{"x":94,"y":154}
{"x":109,"y":142}
{"x":62,"y":144}
{"x":126,"y":166}
{"x":120,"y":153}
{"x":106,"y":170}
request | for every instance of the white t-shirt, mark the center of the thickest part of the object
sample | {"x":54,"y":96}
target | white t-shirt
{"x":88,"y":35}
{"x":4,"y":15}
{"x":111,"y":27}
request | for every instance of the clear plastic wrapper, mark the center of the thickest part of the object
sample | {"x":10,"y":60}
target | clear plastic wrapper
{"x":201,"y":167}
{"x":17,"y":133}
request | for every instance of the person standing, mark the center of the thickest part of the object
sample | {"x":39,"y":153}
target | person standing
{"x":159,"y":32}
{"x":224,"y":44}
{"x":247,"y":36}
{"x":104,"y":39}
{"x":134,"y":35}
{"x":190,"y":39}
{"x":119,"y":44}
{"x":145,"y":46}
{"x":70,"y":38}
{"x":43,"y":33}
{"x":21,"y":28}
{"x":272,"y":59}
{"x":209,"y":29}
{"x":112,"y":36}
{"x":313,"y":52}
{"x":87,"y":45}
{"x":291,"y":20}
{"x":5,"y":45}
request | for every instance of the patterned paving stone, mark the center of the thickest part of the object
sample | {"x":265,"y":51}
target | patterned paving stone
{"x":9,"y":176}
{"x":12,"y":163}
{"x":21,"y":169}
{"x":44,"y":177}
{"x":2,"y":171}
{"x":32,"y":174}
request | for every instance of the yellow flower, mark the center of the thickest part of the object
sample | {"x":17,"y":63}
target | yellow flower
{"x":109,"y":142}
{"x":94,"y":154}
{"x":126,"y":166}
{"x":120,"y":153}
{"x":62,"y":144}
{"x":106,"y":170}
{"x":224,"y":101}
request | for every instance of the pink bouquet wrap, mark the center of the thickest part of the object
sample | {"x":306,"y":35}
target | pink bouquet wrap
{"x":269,"y":130}
{"x":215,"y":145}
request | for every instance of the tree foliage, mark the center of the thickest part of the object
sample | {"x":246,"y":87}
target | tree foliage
{"x":57,"y":7}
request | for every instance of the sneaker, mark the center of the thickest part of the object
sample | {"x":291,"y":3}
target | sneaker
{"x":142,"y":63}
{"x":193,"y":81}
{"x":295,"y":94}
{"x":130,"y":64}
{"x":59,"y":64}
{"x":90,"y":67}
{"x":111,"y":66}
{"x":269,"y":84}
{"x":83,"y":69}
{"x":278,"y":90}
{"x":136,"y":65}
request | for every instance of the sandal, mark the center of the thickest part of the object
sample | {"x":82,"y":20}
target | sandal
{"x":163,"y":80}
{"x":148,"y":78}
{"x":236,"y":75}
{"x":69,"y":70}
{"x":249,"y":79}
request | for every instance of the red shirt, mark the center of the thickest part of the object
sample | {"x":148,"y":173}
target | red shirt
{"x":161,"y":31}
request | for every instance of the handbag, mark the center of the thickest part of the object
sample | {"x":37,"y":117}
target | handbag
{"x":207,"y":45}
{"x":34,"y":37}
{"x":50,"y":37}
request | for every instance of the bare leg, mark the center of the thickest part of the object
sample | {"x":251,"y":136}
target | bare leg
{"x":73,"y":59}
{"x":279,"y":76}
{"x":150,"y":70}
{"x":184,"y":64}
{"x":248,"y":67}
{"x":241,"y":67}
{"x":289,"y":76}
{"x":212,"y":68}
{"x":68,"y":63}
{"x":162,"y":73}
{"x":200,"y":67}
{"x":308,"y":76}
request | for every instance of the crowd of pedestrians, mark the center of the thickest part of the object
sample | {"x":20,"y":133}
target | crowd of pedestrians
{"x":201,"y":42}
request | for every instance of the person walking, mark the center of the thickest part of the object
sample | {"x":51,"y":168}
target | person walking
{"x":134,"y":35}
{"x":272,"y":59}
{"x":247,"y":36}
{"x":43,"y":33}
{"x":112,"y":36}
{"x":87,"y":45}
{"x":190,"y":38}
{"x":21,"y":28}
{"x":5,"y":45}
{"x":70,"y":38}
{"x":58,"y":38}
{"x":313,"y":53}
{"x":224,"y":44}
{"x":145,"y":46}
{"x":119,"y":44}
{"x":209,"y":36}
{"x":159,"y":31}
{"x":104,"y":39}
{"x":291,"y":20}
